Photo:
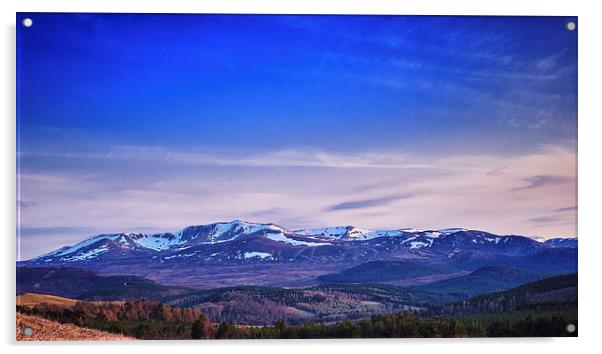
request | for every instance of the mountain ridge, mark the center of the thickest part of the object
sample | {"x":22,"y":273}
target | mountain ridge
{"x":238,"y":252}
{"x":220,"y":232}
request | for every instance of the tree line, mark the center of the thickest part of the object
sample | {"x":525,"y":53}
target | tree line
{"x":152,"y":320}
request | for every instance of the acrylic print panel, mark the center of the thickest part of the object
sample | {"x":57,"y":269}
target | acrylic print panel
{"x":287,"y":176}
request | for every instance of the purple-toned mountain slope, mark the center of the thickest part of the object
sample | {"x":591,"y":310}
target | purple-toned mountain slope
{"x":268,"y":254}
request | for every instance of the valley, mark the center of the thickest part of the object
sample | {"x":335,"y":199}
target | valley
{"x":541,"y":308}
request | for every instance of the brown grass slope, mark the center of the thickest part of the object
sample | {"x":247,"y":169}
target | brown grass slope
{"x":45,"y":330}
{"x":32,"y":299}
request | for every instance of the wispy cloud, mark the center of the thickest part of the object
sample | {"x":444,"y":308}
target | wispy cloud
{"x":543,"y":181}
{"x":278,"y":158}
{"x":266,"y":213}
{"x":496,"y":172}
{"x":558,"y":216}
{"x":552,"y":221}
{"x":366,"y":203}
{"x":545,"y":219}
{"x":561,"y":210}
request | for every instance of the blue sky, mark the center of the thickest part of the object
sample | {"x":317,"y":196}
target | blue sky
{"x":153,"y":122}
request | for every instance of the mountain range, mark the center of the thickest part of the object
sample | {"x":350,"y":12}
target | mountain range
{"x":238,"y":252}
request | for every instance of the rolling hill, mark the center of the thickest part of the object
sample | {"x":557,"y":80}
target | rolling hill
{"x":560,"y":289}
{"x":482,"y":280}
{"x":85,"y":284}
{"x":385,"y":271}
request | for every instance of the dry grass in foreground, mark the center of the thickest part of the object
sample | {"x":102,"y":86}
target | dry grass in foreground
{"x":45,"y":330}
{"x":31,"y":299}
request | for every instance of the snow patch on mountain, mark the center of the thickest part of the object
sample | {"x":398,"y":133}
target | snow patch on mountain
{"x":347,"y":232}
{"x":157,"y":242}
{"x":419,"y":244}
{"x":85,"y":243}
{"x":280,"y":237}
{"x":88,"y":254}
{"x":261,"y":255}
{"x":225,"y":231}
{"x":329,"y":232}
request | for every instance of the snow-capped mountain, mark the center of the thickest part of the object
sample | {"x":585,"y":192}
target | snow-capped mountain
{"x":239,"y":252}
{"x":354,"y":233}
{"x":242,"y":242}
{"x":346,"y":233}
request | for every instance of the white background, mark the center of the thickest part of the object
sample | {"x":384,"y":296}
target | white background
{"x":590,"y":174}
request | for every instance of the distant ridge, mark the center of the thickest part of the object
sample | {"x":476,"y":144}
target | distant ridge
{"x":221,"y":232}
{"x":483,"y":280}
{"x":201,"y":255}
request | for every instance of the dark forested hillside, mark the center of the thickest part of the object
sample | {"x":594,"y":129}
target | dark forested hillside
{"x":85,"y":284}
{"x":384,"y":271}
{"x":481,"y":281}
{"x":558,"y":290}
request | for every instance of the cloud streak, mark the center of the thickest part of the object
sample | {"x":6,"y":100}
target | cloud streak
{"x":565,"y":209}
{"x":277,"y":158}
{"x":544,"y":181}
{"x":366,"y":203}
